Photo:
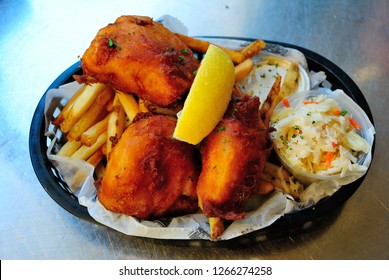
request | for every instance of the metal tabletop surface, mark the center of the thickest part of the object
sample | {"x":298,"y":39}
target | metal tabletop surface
{"x":40,"y":39}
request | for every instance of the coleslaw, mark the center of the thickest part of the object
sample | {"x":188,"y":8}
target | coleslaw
{"x":319,"y":137}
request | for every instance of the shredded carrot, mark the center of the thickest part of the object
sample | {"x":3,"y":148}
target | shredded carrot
{"x":354,"y":123}
{"x":286,"y":102}
{"x":310,"y":102}
{"x":329,"y":157}
{"x":337,"y":112}
{"x":333,"y":144}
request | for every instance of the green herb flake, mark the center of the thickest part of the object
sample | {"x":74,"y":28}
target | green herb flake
{"x":184,"y":51}
{"x":111,"y":44}
{"x":263,"y":75}
{"x":343,"y":112}
{"x":284,"y":140}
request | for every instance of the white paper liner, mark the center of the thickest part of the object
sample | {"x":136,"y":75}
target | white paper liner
{"x":78,"y":175}
{"x":173,"y":24}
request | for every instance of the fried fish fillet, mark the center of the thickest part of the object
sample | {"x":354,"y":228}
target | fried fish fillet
{"x":138,"y":55}
{"x":149,"y":174}
{"x":233,"y":158}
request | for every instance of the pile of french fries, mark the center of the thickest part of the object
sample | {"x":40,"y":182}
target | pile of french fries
{"x":242,"y":59}
{"x":94,"y":119}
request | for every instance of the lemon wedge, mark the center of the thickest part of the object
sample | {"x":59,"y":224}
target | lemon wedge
{"x":208,"y":97}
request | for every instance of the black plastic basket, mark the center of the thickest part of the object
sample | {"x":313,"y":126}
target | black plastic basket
{"x":54,"y":185}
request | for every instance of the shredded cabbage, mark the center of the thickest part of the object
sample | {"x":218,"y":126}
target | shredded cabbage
{"x":317,"y":137}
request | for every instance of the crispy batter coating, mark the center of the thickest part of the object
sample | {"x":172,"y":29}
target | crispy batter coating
{"x":233,"y":158}
{"x":137,"y":55}
{"x":149,"y":174}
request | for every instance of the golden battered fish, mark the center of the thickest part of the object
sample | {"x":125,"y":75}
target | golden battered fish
{"x":138,"y":55}
{"x":233,"y":157}
{"x":149,"y":174}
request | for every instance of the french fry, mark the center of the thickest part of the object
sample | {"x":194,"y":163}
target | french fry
{"x":273,"y":170}
{"x":264,"y":187}
{"x":193,"y":43}
{"x":104,"y":149}
{"x":89,"y":137}
{"x":96,"y":157}
{"x":95,"y":113}
{"x":290,"y":186}
{"x":69,"y":148}
{"x":80,"y":106}
{"x":276,"y":181}
{"x":85,"y":152}
{"x":129,"y":104}
{"x":290,"y":81}
{"x":202,"y":47}
{"x":216,"y":225}
{"x":243,"y":69}
{"x":236,"y":56}
{"x":281,"y":179}
{"x":95,"y":160}
{"x":60,"y":118}
{"x":273,"y":98}
{"x":253,"y":48}
{"x":142,"y":106}
{"x":109,"y":106}
{"x":116,"y":124}
{"x":278,"y":92}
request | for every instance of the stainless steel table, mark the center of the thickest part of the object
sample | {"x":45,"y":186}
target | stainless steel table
{"x":39,"y":39}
